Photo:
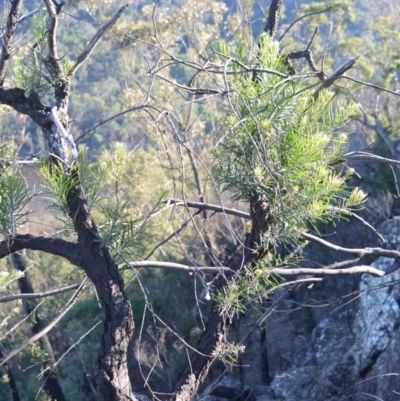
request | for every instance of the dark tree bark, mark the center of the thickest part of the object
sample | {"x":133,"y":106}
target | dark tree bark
{"x":90,"y":253}
{"x":190,"y":379}
{"x":273,"y":17}
{"x":12,"y":384}
{"x":51,"y":383}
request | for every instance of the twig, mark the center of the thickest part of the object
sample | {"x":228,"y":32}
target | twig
{"x":57,"y":291}
{"x":355,"y":251}
{"x":215,"y":208}
{"x":142,"y":106}
{"x":329,"y":272}
{"x":341,"y":264}
{"x":368,"y":157}
{"x":359,"y":81}
{"x":12,"y":24}
{"x":30,"y":14}
{"x":96,"y":39}
{"x":361,"y":220}
{"x":326,"y":83}
{"x":173,"y":266}
{"x":41,"y":333}
{"x":302,"y":17}
{"x":176,"y":232}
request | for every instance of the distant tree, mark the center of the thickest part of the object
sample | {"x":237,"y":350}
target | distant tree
{"x":278,"y":152}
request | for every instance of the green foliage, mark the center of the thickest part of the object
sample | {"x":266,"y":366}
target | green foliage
{"x":14,"y":197}
{"x":58,"y":184}
{"x":122,"y":231}
{"x":7,"y":277}
{"x":28,"y":71}
{"x":33,"y":73}
{"x":282,"y":145}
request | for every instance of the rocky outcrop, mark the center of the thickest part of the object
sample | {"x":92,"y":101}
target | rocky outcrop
{"x":345,"y":345}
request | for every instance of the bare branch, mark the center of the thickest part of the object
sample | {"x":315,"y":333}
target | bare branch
{"x":135,"y":108}
{"x":55,"y":246}
{"x":52,"y":34}
{"x":96,"y":39}
{"x":341,"y":264}
{"x":329,"y":272}
{"x":173,"y":266}
{"x":302,"y":17}
{"x":57,"y":291}
{"x":354,"y":251}
{"x":268,"y":311}
{"x":334,"y":76}
{"x":12,"y":24}
{"x":215,"y":208}
{"x":41,"y":333}
{"x":30,"y":14}
{"x":361,"y":220}
{"x":175,"y":233}
{"x":371,"y":85}
{"x":368,"y":157}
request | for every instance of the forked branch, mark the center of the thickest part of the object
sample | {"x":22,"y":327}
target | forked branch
{"x":96,"y":39}
{"x":52,"y":35}
{"x":41,"y":333}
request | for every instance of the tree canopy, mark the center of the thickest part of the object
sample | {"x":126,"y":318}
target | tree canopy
{"x":169,"y":165}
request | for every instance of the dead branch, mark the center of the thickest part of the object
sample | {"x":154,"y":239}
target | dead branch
{"x":301,"y":18}
{"x":30,"y":14}
{"x":173,"y":266}
{"x":41,"y":333}
{"x":371,"y":85}
{"x":307,"y":54}
{"x":329,"y":272}
{"x":96,"y":39}
{"x":361,"y":220}
{"x":368,"y":157}
{"x":135,"y":108}
{"x":12,"y":24}
{"x":51,"y":293}
{"x":215,"y":208}
{"x":334,"y":76}
{"x":389,"y":253}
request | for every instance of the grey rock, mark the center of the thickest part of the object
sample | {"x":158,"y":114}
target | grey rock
{"x":263,"y":391}
{"x":228,"y":387}
{"x":298,"y":384}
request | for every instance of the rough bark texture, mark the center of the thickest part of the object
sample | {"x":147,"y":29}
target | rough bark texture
{"x":187,"y":385}
{"x":273,"y":17}
{"x":112,"y":376}
{"x":12,"y":24}
{"x":90,"y":253}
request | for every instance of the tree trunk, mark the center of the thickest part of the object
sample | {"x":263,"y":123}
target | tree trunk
{"x":112,"y":376}
{"x":51,"y":383}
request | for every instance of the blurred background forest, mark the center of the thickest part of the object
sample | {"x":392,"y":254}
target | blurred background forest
{"x":114,"y":81}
